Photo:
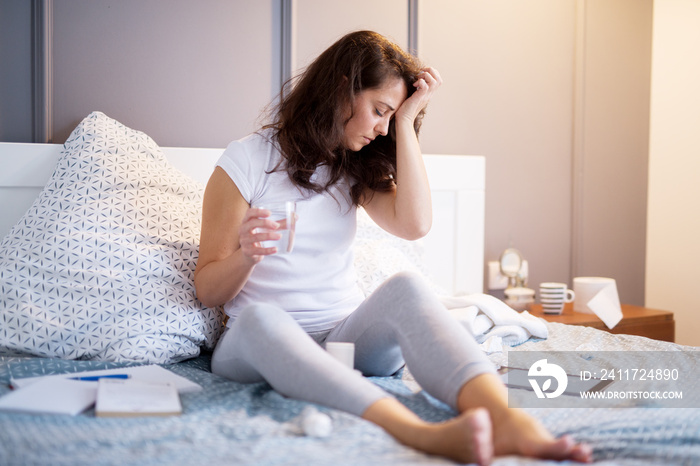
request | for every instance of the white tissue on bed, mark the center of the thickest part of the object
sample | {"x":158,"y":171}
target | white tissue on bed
{"x":492,"y":321}
{"x":493,"y":344}
{"x":315,"y":423}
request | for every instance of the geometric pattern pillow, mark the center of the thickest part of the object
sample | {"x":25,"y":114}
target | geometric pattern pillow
{"x":379,"y":255}
{"x":101,"y":266}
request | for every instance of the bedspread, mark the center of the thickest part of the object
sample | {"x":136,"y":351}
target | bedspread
{"x":619,"y":436}
{"x":230,"y":423}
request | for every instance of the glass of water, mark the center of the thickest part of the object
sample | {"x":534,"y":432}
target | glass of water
{"x":284,"y":213}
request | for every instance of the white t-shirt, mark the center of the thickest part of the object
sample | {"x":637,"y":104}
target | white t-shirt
{"x":316,"y":282}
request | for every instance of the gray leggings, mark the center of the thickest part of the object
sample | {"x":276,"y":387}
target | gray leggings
{"x":401,"y":320}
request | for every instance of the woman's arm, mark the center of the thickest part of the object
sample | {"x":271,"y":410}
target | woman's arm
{"x":228,"y":247}
{"x":407,"y":210}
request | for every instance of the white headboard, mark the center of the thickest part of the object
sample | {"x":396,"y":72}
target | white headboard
{"x":454,"y":247}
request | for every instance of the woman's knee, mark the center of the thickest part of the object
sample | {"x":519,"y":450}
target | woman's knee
{"x":255,"y":330}
{"x":404,"y":295}
{"x":405,"y":278}
{"x":409,"y":284}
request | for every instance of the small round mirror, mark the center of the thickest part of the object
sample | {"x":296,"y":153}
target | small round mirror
{"x":511,"y":263}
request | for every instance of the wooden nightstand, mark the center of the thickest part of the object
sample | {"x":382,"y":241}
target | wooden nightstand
{"x":636,"y":320}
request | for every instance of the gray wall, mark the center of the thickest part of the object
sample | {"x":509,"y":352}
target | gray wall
{"x":555,"y":94}
{"x":509,"y":80}
{"x":16,"y":105}
{"x":179,"y":70}
{"x":611,"y":155}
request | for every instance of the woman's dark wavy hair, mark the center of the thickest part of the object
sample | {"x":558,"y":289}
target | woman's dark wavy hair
{"x":309,"y":121}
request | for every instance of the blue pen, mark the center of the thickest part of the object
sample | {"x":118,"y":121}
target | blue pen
{"x":95,"y":378}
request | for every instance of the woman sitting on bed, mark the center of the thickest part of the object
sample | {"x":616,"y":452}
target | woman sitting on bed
{"x":346,"y":136}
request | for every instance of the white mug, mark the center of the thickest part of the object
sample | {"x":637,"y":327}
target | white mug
{"x":554,"y":295}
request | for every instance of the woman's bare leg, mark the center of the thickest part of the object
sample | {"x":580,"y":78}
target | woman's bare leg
{"x":514,"y":431}
{"x":466,"y":438}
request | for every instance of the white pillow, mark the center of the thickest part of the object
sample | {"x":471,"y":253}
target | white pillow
{"x":379,"y":255}
{"x":101,"y":266}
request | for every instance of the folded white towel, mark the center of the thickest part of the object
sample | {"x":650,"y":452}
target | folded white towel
{"x":492,"y":321}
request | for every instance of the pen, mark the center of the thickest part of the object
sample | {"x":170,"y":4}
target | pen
{"x":95,"y":378}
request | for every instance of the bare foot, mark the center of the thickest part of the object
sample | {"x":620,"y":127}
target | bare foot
{"x":520,"y":434}
{"x":466,"y":438}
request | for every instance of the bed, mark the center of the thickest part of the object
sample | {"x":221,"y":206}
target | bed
{"x":100,"y":239}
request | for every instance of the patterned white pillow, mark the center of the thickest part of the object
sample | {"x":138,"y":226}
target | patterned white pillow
{"x":101,"y":266}
{"x":379,"y":255}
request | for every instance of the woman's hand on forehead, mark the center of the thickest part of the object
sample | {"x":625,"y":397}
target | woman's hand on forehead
{"x":428,"y":81}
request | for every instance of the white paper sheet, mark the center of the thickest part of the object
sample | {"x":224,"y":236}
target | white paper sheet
{"x":149,"y":373}
{"x":52,"y":396}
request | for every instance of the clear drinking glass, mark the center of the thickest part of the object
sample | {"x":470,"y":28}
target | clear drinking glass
{"x":284,"y":213}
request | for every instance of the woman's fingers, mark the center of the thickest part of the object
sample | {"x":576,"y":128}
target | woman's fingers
{"x":426,"y":83}
{"x":429,"y":79}
{"x":433,"y":75}
{"x":255,"y":229}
